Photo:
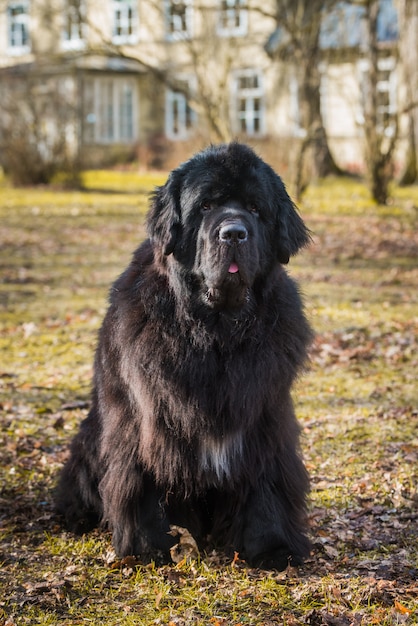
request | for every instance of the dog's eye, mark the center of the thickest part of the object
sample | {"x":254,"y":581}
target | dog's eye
{"x":254,"y":208}
{"x":206,"y":205}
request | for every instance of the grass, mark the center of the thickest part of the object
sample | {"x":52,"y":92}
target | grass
{"x":357,"y":406}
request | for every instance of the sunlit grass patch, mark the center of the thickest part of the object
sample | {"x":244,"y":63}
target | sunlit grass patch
{"x":122,"y":180}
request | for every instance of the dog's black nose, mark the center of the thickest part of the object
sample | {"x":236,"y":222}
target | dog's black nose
{"x":233,"y":232}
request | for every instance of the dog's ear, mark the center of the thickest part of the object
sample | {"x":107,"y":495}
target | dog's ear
{"x":292,"y":232}
{"x":163,"y":221}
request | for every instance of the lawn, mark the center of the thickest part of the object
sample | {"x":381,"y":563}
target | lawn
{"x":357,"y":405}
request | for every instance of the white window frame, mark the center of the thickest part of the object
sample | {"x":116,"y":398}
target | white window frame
{"x":124,"y":19}
{"x":229,"y":10}
{"x":176,"y":26}
{"x":251,"y":95}
{"x":105,"y":119}
{"x":73,"y":35}
{"x":18,"y":28}
{"x":180,"y":118}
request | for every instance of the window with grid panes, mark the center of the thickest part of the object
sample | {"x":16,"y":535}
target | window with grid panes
{"x":233,"y":17}
{"x":249,"y":102}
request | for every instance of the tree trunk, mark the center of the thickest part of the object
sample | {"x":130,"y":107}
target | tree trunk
{"x":408,"y":45}
{"x":410,"y":172}
{"x":379,"y":146}
{"x":314,"y":158}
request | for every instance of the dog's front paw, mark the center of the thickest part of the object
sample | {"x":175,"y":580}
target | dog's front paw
{"x":278,"y":559}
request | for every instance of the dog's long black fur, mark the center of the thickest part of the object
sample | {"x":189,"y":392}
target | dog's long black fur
{"x":192,"y":421}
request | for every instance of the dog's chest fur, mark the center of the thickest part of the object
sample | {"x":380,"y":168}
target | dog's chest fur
{"x":218,"y":456}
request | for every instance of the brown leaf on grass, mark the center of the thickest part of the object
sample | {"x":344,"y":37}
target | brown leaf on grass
{"x":127,"y":562}
{"x":400,"y":608}
{"x":324,"y":618}
{"x":363,"y":344}
{"x":186,"y":549}
{"x":158,"y":599}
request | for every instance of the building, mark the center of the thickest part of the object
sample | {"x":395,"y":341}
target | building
{"x":156,"y":79}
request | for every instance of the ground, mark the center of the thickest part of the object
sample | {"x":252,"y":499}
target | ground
{"x":357,"y":405}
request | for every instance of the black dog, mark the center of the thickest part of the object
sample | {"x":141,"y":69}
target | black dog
{"x":192,"y":421}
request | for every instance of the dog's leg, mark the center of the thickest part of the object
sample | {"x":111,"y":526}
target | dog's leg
{"x":274,"y":528}
{"x":136,"y":512}
{"x":77,"y":497}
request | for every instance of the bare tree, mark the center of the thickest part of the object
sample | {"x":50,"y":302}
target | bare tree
{"x":38,"y":129}
{"x":299,"y":27}
{"x":209,"y":59}
{"x":408,"y":58}
{"x":380,"y":134}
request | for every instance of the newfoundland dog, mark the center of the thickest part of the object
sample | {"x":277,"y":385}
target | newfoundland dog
{"x":192,"y":422}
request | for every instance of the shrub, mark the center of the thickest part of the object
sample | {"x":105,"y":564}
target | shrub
{"x":38,"y":131}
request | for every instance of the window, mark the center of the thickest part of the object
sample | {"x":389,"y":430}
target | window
{"x":18,"y":27}
{"x":233,"y":18}
{"x":386,"y":94}
{"x":249,"y":102}
{"x":125,"y":22}
{"x":110,"y":110}
{"x":179,"y":116}
{"x":74,"y":24}
{"x":178,"y":18}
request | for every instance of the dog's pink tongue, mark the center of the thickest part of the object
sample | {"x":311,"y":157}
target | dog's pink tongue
{"x":233,"y":268}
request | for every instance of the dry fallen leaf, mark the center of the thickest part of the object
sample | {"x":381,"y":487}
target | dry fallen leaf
{"x":186,"y":549}
{"x":401,"y":608}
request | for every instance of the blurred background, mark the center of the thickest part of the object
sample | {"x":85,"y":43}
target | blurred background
{"x":318,"y":87}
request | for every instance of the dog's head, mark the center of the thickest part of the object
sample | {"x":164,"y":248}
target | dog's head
{"x":225,"y":217}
